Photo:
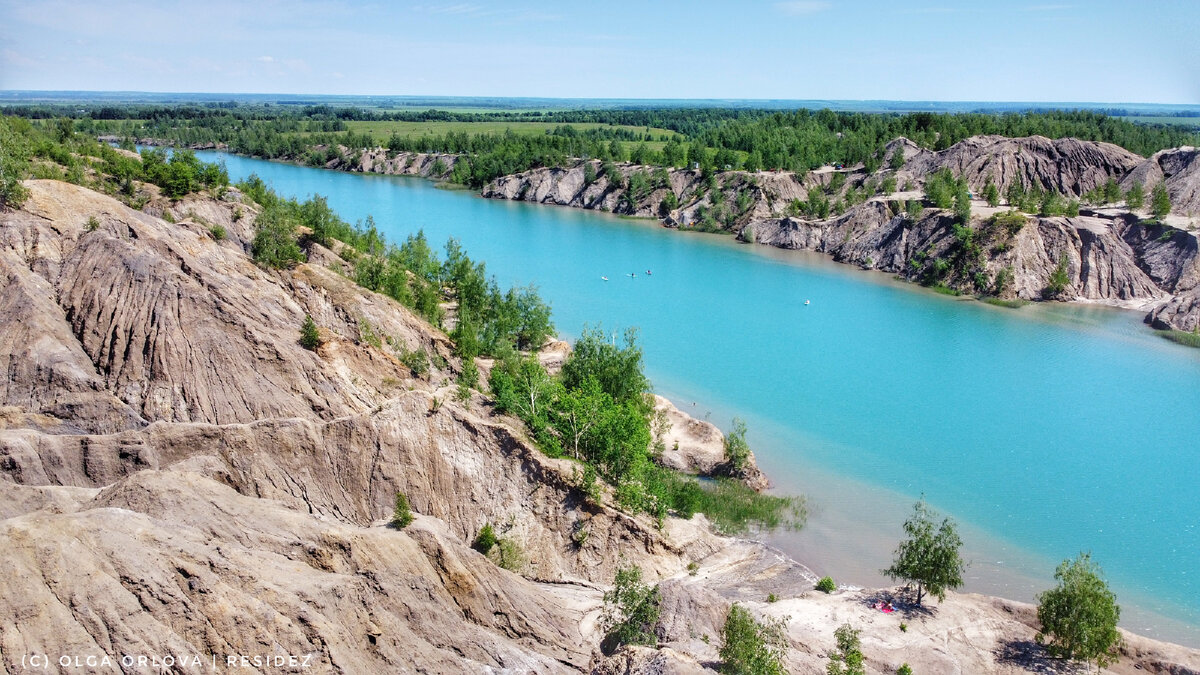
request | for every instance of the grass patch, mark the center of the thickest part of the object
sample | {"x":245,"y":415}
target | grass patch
{"x":945,"y":290}
{"x":1182,"y":337}
{"x":1001,"y":302}
{"x":733,"y":508}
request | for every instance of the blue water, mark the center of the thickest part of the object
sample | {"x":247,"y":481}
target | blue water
{"x":1045,"y":431}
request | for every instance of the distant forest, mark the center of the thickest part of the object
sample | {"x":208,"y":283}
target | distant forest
{"x":713,"y":139}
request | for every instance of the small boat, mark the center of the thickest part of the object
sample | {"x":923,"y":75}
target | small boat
{"x":632,"y":274}
{"x":806,"y":302}
{"x":604,"y":278}
{"x":647,"y":272}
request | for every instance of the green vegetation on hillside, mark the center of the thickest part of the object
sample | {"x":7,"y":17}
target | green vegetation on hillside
{"x":504,"y":142}
{"x":599,"y":411}
{"x":750,"y":647}
{"x":58,"y":149}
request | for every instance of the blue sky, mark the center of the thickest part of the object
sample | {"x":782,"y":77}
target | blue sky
{"x":1088,"y":50}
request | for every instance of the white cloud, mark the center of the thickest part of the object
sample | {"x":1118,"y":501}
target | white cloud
{"x":802,"y":7}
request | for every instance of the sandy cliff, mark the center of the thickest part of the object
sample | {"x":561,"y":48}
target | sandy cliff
{"x":1112,"y":256}
{"x":178,"y":475}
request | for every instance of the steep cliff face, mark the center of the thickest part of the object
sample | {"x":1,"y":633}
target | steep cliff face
{"x":1110,"y":256}
{"x":178,"y":476}
{"x":1179,"y":169}
{"x":1100,"y":263}
{"x":158,"y":400}
{"x":1068,"y":166}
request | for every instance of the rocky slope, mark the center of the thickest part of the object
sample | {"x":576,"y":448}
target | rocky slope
{"x":1110,"y":255}
{"x":178,"y":476}
{"x":1179,"y":169}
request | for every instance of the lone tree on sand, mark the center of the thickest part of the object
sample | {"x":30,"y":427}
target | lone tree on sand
{"x":1079,"y":616}
{"x":1160,"y":201}
{"x":930,"y":554}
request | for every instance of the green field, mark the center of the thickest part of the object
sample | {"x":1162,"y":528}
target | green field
{"x":1163,"y":119}
{"x":383,"y":130}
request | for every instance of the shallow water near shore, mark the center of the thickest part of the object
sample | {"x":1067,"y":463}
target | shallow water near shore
{"x":1045,"y":430}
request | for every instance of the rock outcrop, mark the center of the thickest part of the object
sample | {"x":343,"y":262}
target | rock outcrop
{"x":178,"y":476}
{"x":1179,"y":169}
{"x":1067,"y":166}
{"x":1111,"y":256}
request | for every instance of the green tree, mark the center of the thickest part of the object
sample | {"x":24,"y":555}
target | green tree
{"x":275,"y":242}
{"x":617,"y":367}
{"x":1160,"y":201}
{"x":402,"y":515}
{"x":15,"y":150}
{"x":962,"y":206}
{"x":754,"y":162}
{"x":577,"y":412}
{"x":631,"y":610}
{"x":991,"y":193}
{"x":737,"y":450}
{"x":486,"y":539}
{"x":848,"y":659}
{"x":930,"y":554}
{"x":672,"y":152}
{"x":749,"y":647}
{"x":1112,"y":191}
{"x":310,"y":337}
{"x":1079,"y":616}
{"x":897,"y":160}
{"x":1135,"y":198}
{"x":1060,"y":278}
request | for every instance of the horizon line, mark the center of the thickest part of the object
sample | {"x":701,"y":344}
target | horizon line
{"x":4,"y":92}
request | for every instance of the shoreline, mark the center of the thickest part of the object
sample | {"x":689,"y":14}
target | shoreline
{"x":1142,"y":305}
{"x":851,"y":546}
{"x":823,"y":257}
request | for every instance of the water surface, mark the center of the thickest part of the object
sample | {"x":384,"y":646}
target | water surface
{"x":1045,"y":431}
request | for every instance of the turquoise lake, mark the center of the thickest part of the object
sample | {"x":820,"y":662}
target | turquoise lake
{"x":1045,"y":431}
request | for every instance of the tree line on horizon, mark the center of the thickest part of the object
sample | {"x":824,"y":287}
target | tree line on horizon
{"x":710,"y":138}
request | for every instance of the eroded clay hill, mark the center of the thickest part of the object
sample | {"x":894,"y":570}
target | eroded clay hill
{"x":1111,"y":255}
{"x":179,"y":476}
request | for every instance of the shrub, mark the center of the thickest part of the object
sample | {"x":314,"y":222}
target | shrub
{"x":826,"y":585}
{"x":579,"y":534}
{"x":508,"y":554}
{"x":848,"y":659}
{"x":402,"y":515}
{"x":217,"y":232}
{"x":15,"y":151}
{"x":737,"y":451}
{"x":310,"y":336}
{"x":92,"y":224}
{"x":485,"y":540}
{"x":772,"y":598}
{"x":1160,"y":201}
{"x":417,"y":361}
{"x":749,"y":647}
{"x":904,"y":669}
{"x":1079,"y":616}
{"x":275,"y":242}
{"x":631,"y":610}
{"x":1060,"y":278}
{"x":1135,"y":198}
{"x":693,"y":567}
